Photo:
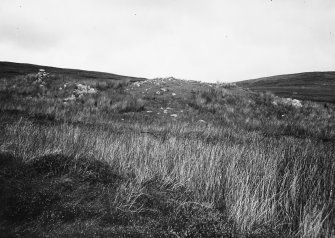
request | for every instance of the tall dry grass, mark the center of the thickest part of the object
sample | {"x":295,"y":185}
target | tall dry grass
{"x":262,"y":184}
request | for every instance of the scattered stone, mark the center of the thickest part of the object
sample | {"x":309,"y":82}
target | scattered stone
{"x":173,"y":94}
{"x":296,"y":103}
{"x":149,"y":111}
{"x":79,"y":92}
{"x":71,"y":98}
{"x":164,"y":89}
{"x":287,"y":102}
{"x":137,"y":84}
{"x":226,"y":85}
{"x":84,"y":89}
{"x":158,"y":92}
{"x":173,"y":115}
{"x":201,"y":121}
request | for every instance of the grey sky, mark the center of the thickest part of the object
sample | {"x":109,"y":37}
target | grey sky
{"x":213,"y":40}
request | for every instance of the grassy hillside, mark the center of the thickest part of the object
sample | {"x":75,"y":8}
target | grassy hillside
{"x":161,"y":158}
{"x":315,"y":86}
{"x":10,"y":70}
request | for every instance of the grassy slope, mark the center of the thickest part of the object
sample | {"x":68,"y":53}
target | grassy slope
{"x":114,"y":164}
{"x":315,"y":86}
{"x":10,"y":69}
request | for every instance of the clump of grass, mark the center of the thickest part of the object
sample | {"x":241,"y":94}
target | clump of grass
{"x":111,"y":84}
{"x":129,"y":104}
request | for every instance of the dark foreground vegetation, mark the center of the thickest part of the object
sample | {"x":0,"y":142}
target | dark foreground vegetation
{"x":162,"y":158}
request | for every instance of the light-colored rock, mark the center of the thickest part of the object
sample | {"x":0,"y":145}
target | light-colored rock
{"x":92,"y":90}
{"x":287,"y":102}
{"x":71,"y":98}
{"x":173,"y":94}
{"x":174,"y":115}
{"x":296,"y":103}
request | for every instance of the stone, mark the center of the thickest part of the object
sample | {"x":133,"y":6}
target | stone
{"x":71,"y":98}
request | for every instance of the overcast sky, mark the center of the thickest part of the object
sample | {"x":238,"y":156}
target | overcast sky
{"x":207,"y":40}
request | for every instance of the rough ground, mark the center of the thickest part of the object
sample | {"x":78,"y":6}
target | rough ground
{"x":85,"y":154}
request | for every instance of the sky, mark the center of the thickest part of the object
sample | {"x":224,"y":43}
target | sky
{"x":204,"y":40}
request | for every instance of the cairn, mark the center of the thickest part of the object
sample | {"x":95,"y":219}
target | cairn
{"x":41,"y":76}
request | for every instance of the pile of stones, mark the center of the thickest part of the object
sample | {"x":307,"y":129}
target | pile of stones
{"x":287,"y":102}
{"x":79,"y":91}
{"x":226,"y":85}
{"x":41,"y":76}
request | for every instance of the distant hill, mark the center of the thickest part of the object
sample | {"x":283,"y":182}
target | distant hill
{"x":10,"y":69}
{"x":314,"y":86}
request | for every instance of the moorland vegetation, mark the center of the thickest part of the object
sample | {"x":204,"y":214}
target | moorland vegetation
{"x":230,"y":162}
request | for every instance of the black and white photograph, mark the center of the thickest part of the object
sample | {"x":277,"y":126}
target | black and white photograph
{"x":167,"y":118}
